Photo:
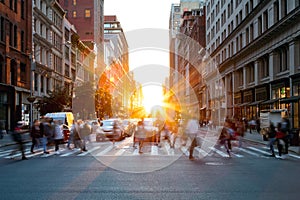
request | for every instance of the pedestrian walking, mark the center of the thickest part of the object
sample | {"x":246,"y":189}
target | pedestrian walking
{"x":35,"y":134}
{"x":71,"y":136}
{"x":76,"y":135}
{"x":46,"y":131}
{"x":58,"y":135}
{"x":140,"y":134}
{"x":240,"y":129}
{"x":191,"y":130}
{"x":85,"y":131}
{"x":17,"y":137}
{"x":272,"y":138}
{"x":280,"y":140}
{"x":286,"y":128}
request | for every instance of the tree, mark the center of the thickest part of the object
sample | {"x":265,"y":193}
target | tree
{"x":57,"y":101}
{"x":103,"y":103}
{"x":84,"y":101}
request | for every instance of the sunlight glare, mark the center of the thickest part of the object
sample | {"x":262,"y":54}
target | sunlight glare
{"x":153,"y":96}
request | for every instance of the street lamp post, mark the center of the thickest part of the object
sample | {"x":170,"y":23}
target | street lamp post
{"x":31,"y":98}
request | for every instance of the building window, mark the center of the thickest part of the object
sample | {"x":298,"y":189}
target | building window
{"x":74,"y":14}
{"x":74,"y":2}
{"x":10,"y":34}
{"x":283,"y":59}
{"x":266,"y":20}
{"x":2,"y":30}
{"x":264,"y":66}
{"x":251,"y":36}
{"x":87,"y":13}
{"x":22,"y":41}
{"x":22,"y":9}
{"x":259,"y":26}
{"x":23,"y":72}
{"x":15,"y":36}
{"x":276,"y":12}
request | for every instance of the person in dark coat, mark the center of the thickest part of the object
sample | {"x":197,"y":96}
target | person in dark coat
{"x":35,"y":134}
{"x":17,"y":137}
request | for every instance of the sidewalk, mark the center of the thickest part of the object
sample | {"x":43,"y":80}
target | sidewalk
{"x":7,"y":139}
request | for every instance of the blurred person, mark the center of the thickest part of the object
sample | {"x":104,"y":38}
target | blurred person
{"x":191,"y":130}
{"x":280,"y":140}
{"x":140,"y":134}
{"x":17,"y":137}
{"x":240,"y":129}
{"x":76,"y":136}
{"x":85,"y":131}
{"x":45,"y":130}
{"x":286,"y":128}
{"x":35,"y":134}
{"x":272,"y":138}
{"x":58,"y":135}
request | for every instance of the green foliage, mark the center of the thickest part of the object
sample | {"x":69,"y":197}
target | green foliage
{"x":103,"y":103}
{"x":55,"y":102}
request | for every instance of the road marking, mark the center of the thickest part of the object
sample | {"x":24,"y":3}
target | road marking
{"x":34,"y":154}
{"x":249,"y":152}
{"x":120,"y":152}
{"x":89,"y":151}
{"x":258,"y":150}
{"x":201,"y":151}
{"x":221,"y":153}
{"x":70,"y":153}
{"x":154,"y":150}
{"x":291,"y":155}
{"x":101,"y":153}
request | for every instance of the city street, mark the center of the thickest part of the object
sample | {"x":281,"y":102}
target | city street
{"x":117,"y":171}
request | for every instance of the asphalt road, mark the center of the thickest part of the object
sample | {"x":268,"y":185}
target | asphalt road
{"x":208,"y":178}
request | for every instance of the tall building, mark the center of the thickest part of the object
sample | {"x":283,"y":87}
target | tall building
{"x":15,"y":68}
{"x":117,"y":63}
{"x":187,"y":37}
{"x":88,"y":18}
{"x":255,"y":46}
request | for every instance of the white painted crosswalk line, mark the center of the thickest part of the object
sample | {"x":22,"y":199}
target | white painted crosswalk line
{"x":201,"y":151}
{"x":70,"y":153}
{"x":291,"y":155}
{"x":34,"y":154}
{"x":258,"y":150}
{"x":135,"y":152}
{"x":89,"y":151}
{"x":221,"y":153}
{"x":249,"y":152}
{"x":154,"y":150}
{"x":184,"y":149}
{"x":101,"y":153}
{"x":120,"y":152}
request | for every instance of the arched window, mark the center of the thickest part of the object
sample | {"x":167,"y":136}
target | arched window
{"x":13,"y":72}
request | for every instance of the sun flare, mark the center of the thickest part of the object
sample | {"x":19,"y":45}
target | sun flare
{"x":153,"y":96}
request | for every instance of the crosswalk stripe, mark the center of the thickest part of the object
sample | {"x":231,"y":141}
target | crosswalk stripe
{"x":154,"y":150}
{"x":291,"y":155}
{"x":89,"y":151}
{"x":135,"y":152}
{"x":258,"y":150}
{"x":221,"y":153}
{"x":120,"y":152}
{"x":34,"y":154}
{"x":249,"y":152}
{"x":70,"y":153}
{"x":201,"y":151}
{"x":101,"y":153}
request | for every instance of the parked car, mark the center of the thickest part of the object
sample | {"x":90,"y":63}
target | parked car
{"x":112,"y":129}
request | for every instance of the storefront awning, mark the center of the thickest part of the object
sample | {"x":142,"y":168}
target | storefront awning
{"x":271,"y":101}
{"x":290,"y":99}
